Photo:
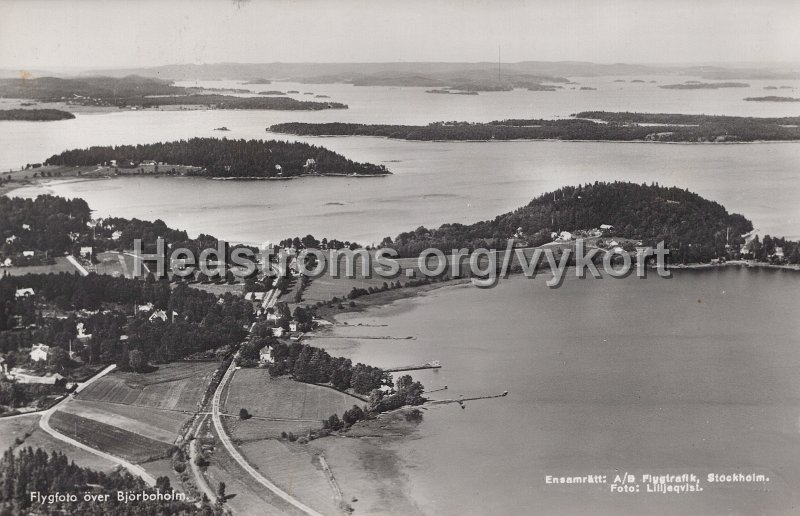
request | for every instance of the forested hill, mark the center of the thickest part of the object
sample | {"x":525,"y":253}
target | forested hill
{"x":225,"y":158}
{"x":588,"y":126}
{"x":683,"y":220}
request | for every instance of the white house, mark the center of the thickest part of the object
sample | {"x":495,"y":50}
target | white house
{"x":613,"y":243}
{"x":145,"y":308}
{"x":158,"y":314}
{"x":255,"y":296}
{"x":39,"y":352}
{"x":116,"y":235}
{"x":310,"y":162}
{"x":293,"y":326}
{"x":606,"y":227}
{"x":6,"y":263}
{"x":26,"y":227}
{"x":565,"y":235}
{"x":11,"y":239}
{"x":778,"y":252}
{"x":28,"y":253}
{"x":86,"y":252}
{"x":24,"y":292}
{"x":265,"y":355}
{"x":273,"y":317}
{"x":277,"y":331}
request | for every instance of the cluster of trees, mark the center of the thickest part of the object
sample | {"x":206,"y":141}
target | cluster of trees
{"x":35,"y":115}
{"x":226,"y":158}
{"x":708,"y":129}
{"x":696,"y":228}
{"x":407,"y":392}
{"x":314,"y":365}
{"x":764,"y":250}
{"x":42,"y":224}
{"x":203,"y":320}
{"x":309,"y":242}
{"x":348,"y":419}
{"x":15,"y":395}
{"x":35,"y":470}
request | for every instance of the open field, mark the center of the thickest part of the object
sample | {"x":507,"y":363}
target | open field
{"x":161,"y":425}
{"x":110,"y":439}
{"x":61,"y":265}
{"x":14,"y":428}
{"x":283,"y":398}
{"x":256,"y":429}
{"x":245,"y":495}
{"x":175,"y":386}
{"x":292,"y":468}
{"x":27,"y":430}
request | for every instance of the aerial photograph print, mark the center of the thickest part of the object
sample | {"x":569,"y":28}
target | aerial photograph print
{"x":430,"y":257}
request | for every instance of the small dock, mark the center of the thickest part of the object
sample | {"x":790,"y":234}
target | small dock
{"x":434,"y":364}
{"x":461,"y":401}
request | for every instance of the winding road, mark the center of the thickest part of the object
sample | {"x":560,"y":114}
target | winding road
{"x":226,"y":441}
{"x":44,"y":424}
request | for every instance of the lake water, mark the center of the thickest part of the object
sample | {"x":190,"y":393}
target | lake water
{"x":433,"y":182}
{"x":700,"y":372}
{"x":695,"y":374}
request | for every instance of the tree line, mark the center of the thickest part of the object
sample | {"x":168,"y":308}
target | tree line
{"x":32,"y":470}
{"x":226,"y":158}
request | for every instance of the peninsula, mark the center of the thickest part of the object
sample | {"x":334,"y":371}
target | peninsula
{"x":583,"y":126}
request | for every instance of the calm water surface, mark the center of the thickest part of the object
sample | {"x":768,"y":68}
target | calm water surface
{"x":699,"y":373}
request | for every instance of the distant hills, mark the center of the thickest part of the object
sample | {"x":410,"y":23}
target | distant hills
{"x":434,"y":74}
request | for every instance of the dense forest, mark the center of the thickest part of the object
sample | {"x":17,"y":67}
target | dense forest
{"x":613,"y":127}
{"x":44,"y":223}
{"x":227,"y":158}
{"x":35,"y":115}
{"x":693,"y":227}
{"x":138,"y":91}
{"x":32,"y":470}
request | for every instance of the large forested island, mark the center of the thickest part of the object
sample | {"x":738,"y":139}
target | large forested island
{"x":35,"y":115}
{"x":140,"y":92}
{"x":586,"y":125}
{"x":693,"y":228}
{"x":224,"y":158}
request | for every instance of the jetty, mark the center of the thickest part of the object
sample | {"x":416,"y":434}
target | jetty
{"x":433,"y":364}
{"x":460,"y":401}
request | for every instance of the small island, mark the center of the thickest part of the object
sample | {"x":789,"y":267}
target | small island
{"x":695,"y":85}
{"x":214,"y":158}
{"x":35,"y":115}
{"x":772,"y":98}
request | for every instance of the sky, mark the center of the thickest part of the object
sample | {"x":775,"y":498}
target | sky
{"x":49,"y":34}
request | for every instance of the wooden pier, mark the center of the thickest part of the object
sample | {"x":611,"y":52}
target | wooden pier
{"x":434,"y":364}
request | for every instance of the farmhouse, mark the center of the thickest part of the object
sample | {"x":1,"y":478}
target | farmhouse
{"x":24,"y":292}
{"x":28,"y":254}
{"x":265,"y":355}
{"x":145,"y":308}
{"x":86,"y":253}
{"x":39,"y":352}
